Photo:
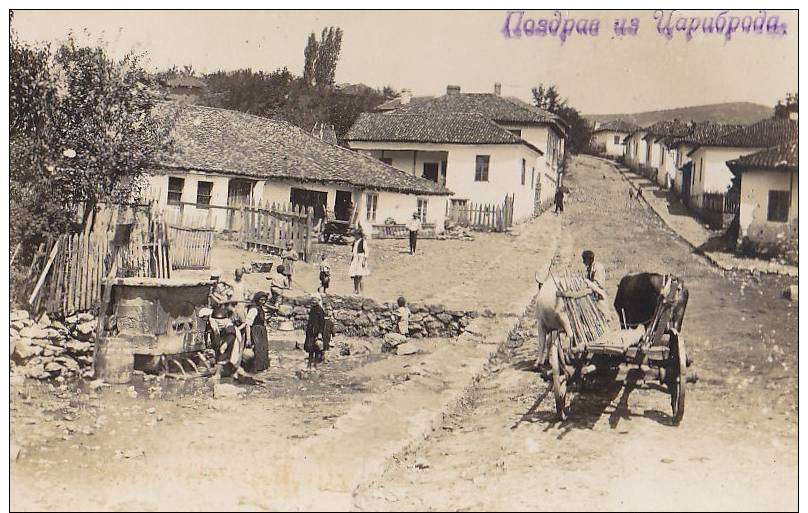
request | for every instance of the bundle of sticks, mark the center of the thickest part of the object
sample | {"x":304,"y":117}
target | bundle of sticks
{"x":588,"y":322}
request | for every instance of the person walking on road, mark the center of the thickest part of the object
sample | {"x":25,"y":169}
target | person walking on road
{"x":413,"y":225}
{"x":559,"y":200}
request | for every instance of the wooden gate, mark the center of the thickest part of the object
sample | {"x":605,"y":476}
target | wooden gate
{"x":270,"y":227}
{"x":190,"y":247}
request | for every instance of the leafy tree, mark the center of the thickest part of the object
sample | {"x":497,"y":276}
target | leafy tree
{"x":781,"y":110}
{"x":263,"y":94}
{"x":321,"y":57}
{"x":82,"y":131}
{"x":580,"y":132}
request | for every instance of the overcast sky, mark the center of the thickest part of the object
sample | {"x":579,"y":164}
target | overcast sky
{"x":425,"y":51}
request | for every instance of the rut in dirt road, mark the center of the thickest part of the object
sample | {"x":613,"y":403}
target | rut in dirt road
{"x":507,"y":450}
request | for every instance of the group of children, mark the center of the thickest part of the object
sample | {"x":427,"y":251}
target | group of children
{"x":234,"y":327}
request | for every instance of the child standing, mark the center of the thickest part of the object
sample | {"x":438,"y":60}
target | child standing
{"x":289,"y":258}
{"x":325,"y":274}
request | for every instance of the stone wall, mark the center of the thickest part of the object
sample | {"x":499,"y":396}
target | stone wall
{"x":363,"y":317}
{"x":45,"y":349}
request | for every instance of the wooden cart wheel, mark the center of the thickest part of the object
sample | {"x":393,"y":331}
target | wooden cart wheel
{"x":559,"y":379}
{"x":677,"y":377}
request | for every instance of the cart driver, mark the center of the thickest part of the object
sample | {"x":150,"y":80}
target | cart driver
{"x":595,"y":279}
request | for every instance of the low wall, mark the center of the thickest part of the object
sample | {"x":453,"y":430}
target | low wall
{"x":363,"y":317}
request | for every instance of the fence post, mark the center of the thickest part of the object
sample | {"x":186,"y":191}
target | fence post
{"x":309,"y":231}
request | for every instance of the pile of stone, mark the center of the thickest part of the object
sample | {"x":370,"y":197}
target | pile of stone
{"x":46,"y":349}
{"x":455,"y":232}
{"x":363,"y":317}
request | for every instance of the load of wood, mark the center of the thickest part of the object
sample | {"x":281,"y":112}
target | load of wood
{"x":588,"y":322}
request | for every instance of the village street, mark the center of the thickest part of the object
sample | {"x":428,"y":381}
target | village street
{"x":505,"y":450}
{"x":361,"y":419}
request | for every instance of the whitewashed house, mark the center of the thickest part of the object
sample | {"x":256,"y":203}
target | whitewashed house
{"x":681,"y":147}
{"x":222,"y":159}
{"x":636,"y":149}
{"x":769,"y":194}
{"x":710,"y":173}
{"x":609,"y":137}
{"x":660,"y":159}
{"x":481,"y":146}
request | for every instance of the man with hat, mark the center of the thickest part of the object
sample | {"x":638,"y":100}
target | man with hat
{"x":413,"y":225}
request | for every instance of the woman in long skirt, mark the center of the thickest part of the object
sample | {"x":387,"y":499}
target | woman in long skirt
{"x":257,"y":332}
{"x":359,"y":260}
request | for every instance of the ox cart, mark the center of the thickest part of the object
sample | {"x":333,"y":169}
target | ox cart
{"x":657,"y":352}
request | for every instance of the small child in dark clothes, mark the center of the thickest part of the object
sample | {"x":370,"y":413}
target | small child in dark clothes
{"x":325,"y":274}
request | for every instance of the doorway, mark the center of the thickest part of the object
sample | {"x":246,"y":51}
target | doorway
{"x":343,"y":206}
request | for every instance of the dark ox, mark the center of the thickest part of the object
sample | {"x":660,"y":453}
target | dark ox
{"x":638,"y":295}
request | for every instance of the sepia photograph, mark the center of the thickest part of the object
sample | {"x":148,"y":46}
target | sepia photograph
{"x":403,"y":260}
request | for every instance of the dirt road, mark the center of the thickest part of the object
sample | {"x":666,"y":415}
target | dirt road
{"x":736,"y":448}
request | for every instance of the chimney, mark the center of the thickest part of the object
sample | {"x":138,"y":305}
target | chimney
{"x":406,"y":96}
{"x":452,"y":89}
{"x":497,"y":89}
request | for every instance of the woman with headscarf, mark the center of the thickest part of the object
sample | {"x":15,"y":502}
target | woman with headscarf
{"x":314,"y":330}
{"x":359,"y":260}
{"x":256,"y":332}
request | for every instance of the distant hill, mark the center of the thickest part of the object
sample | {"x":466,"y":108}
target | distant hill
{"x":735,"y":112}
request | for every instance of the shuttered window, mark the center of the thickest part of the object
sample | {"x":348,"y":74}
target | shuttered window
{"x":481,"y":168}
{"x":778,"y":206}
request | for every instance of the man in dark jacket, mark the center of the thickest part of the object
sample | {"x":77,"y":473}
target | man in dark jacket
{"x":559,"y":200}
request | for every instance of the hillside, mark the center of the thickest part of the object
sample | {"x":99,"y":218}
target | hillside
{"x":734,"y":112}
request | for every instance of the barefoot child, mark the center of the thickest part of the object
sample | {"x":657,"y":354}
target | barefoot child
{"x":402,"y":315}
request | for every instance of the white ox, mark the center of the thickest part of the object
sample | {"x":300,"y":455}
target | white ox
{"x":550,"y":315}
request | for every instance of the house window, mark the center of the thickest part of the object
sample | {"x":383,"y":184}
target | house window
{"x":701,"y":169}
{"x":431,"y":171}
{"x":778,"y":206}
{"x":175,"y":186}
{"x":524,"y":168}
{"x":532,"y":178}
{"x":372,"y":204}
{"x":481,"y":169}
{"x":422,"y":204}
{"x":515,"y":131}
{"x":203,"y":190}
{"x":387,"y":160}
{"x":617,"y":139}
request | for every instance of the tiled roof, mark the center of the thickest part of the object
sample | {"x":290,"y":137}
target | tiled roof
{"x":667,"y":128}
{"x":226,"y":141}
{"x":783,"y":156}
{"x":701,"y":133}
{"x":430,"y":128}
{"x":396,"y":102}
{"x":617,"y":125}
{"x":763,"y":134}
{"x":494,"y":107}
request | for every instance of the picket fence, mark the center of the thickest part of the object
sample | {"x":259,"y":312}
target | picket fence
{"x":72,"y":278}
{"x":483,"y":217}
{"x":271,"y":227}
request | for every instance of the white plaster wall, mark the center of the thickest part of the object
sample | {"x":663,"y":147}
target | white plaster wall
{"x":607,"y":139}
{"x":715,"y":175}
{"x":504,"y":173}
{"x":754,"y":209}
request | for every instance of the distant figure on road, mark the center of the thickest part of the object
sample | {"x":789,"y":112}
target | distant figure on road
{"x":413,"y":225}
{"x":559,"y":200}
{"x":359,"y":260}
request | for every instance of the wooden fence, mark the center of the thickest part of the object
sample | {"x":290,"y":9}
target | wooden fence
{"x":719,"y":202}
{"x":400,"y":231}
{"x":72,"y":277}
{"x":483,"y":217}
{"x":270,"y":227}
{"x":190,"y":247}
